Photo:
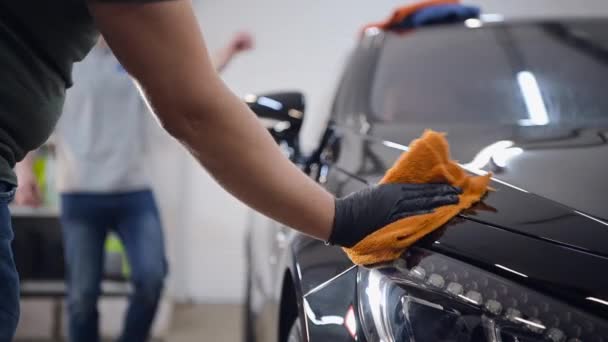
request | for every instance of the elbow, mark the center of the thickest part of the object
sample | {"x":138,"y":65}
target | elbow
{"x":184,"y":121}
{"x":179,"y":125}
{"x":174,"y":124}
{"x":186,"y":111}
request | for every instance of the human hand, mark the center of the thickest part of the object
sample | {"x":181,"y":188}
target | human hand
{"x":28,"y":192}
{"x":363,"y":212}
{"x":241,"y":41}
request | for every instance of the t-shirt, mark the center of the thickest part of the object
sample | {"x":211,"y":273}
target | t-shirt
{"x":39,"y":42}
{"x":100,"y":138}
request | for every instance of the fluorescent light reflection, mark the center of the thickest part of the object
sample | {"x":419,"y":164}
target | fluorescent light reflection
{"x":530,"y":323}
{"x":485,"y":155}
{"x":468,"y":299}
{"x":323,"y":320}
{"x":473,"y":23}
{"x":510,"y":185}
{"x":499,"y":152}
{"x":375,"y":295}
{"x":270,"y":103}
{"x":395,"y":145}
{"x":502,"y":157}
{"x":537,"y":111}
{"x":491,"y":17}
{"x":372,"y":31}
{"x":510,"y":270}
{"x":591,"y":218}
{"x":597,"y":300}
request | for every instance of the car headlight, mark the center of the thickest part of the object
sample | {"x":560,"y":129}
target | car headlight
{"x":428,"y":297}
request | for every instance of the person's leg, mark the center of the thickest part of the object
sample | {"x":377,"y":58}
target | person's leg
{"x":84,"y":233}
{"x":140,"y":229}
{"x":9,"y":280}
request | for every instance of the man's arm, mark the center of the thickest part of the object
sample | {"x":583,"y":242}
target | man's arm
{"x":161,"y":45}
{"x":241,"y":42}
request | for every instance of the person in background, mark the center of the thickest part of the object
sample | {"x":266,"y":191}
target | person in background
{"x":102,"y":179}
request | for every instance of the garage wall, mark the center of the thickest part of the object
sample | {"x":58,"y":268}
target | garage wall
{"x":300,"y":45}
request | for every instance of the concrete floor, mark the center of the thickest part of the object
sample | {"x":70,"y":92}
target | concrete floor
{"x":208,"y":322}
{"x":198,"y":323}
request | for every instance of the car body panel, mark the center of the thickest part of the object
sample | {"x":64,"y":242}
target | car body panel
{"x":533,"y":219}
{"x":548,"y":161}
{"x":327,"y":308}
{"x":277,"y":251}
{"x":550,"y":268}
{"x":545,"y":223}
{"x":511,"y":206}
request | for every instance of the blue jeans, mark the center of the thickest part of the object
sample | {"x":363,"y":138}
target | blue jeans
{"x":9,"y":280}
{"x":86,"y":219}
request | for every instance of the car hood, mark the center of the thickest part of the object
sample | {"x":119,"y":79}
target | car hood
{"x":549,"y":186}
{"x":563,"y":164}
{"x":550,"y":181}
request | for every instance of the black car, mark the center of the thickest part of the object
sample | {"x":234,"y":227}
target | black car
{"x":527,"y":101}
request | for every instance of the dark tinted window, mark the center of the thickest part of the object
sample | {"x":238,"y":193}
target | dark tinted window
{"x":529,"y":73}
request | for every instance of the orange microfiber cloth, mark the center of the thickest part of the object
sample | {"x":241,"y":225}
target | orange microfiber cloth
{"x":427,"y":161}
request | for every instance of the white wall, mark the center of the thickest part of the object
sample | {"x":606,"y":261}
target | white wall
{"x":299,"y":45}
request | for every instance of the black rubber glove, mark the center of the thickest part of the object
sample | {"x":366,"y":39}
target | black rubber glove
{"x":363,"y":212}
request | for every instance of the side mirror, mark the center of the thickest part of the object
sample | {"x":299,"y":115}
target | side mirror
{"x":286,"y":112}
{"x":281,"y":106}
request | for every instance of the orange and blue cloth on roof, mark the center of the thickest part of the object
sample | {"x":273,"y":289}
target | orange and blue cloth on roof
{"x":426,"y":13}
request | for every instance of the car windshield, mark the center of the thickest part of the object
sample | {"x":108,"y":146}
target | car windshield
{"x":526,"y":73}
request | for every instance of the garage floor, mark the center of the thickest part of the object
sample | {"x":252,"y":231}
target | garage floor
{"x":208,"y":322}
{"x":195,"y":323}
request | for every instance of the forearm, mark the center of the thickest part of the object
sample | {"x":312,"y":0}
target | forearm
{"x":221,"y":59}
{"x":255,"y":171}
{"x":160,"y":45}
